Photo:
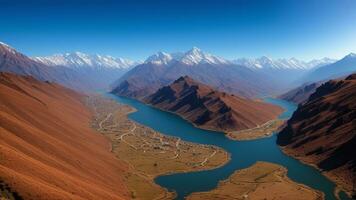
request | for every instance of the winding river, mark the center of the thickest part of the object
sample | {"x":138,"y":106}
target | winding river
{"x":243,"y":153}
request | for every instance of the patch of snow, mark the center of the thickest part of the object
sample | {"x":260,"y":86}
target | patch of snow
{"x":351,"y":55}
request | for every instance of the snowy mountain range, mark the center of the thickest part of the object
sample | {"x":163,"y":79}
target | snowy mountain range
{"x":12,"y":61}
{"x":196,"y":56}
{"x":100,"y":70}
{"x":292,"y":63}
{"x":75,"y":70}
{"x":192,"y":57}
{"x":247,"y":77}
{"x":79,"y":60}
{"x":162,"y":68}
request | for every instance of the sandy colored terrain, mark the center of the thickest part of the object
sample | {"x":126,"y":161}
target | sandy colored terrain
{"x":148,"y":152}
{"x":262,"y":180}
{"x":48,"y":149}
{"x":264,"y":130}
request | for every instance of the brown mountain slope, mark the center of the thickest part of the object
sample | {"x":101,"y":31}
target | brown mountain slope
{"x":323,"y":130}
{"x":300,"y":94}
{"x":47,"y":148}
{"x":211,"y":109}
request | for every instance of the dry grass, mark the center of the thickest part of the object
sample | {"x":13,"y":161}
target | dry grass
{"x":261,"y":181}
{"x":148,"y":152}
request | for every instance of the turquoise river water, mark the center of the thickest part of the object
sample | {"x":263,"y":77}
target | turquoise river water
{"x":243,"y":153}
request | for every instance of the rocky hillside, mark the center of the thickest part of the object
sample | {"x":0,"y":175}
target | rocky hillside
{"x":211,"y":109}
{"x":322,"y":131}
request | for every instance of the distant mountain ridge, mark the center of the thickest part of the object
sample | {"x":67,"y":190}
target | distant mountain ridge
{"x":292,"y":63}
{"x":196,"y":56}
{"x":78,"y":59}
{"x":162,"y":68}
{"x":101,"y":71}
{"x":15,"y":62}
{"x":211,"y":109}
{"x":76,"y":70}
{"x":342,"y":67}
{"x":146,"y":78}
{"x":246,"y":77}
{"x":286,"y":71}
{"x":250,"y":79}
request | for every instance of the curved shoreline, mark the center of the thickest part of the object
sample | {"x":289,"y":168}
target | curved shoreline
{"x":283,"y":117}
{"x":260,"y":176}
{"x":338,"y":186}
{"x":217,"y":130}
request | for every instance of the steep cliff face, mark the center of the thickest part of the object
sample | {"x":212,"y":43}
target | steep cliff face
{"x":323,"y":130}
{"x":209,"y":108}
{"x":47,"y":148}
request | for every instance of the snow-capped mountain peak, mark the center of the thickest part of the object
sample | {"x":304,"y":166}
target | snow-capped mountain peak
{"x":8,"y":48}
{"x":192,"y":57}
{"x":79,"y":60}
{"x":196,"y":56}
{"x":351,"y":55}
{"x":265,"y":59}
{"x":195,"y":51}
{"x":159,"y":58}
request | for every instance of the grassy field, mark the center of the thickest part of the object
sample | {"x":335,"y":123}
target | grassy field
{"x":148,"y":152}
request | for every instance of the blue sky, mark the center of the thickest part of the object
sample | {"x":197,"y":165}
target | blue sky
{"x":134,"y":29}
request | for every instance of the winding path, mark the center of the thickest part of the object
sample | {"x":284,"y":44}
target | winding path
{"x":177,"y":149}
{"x":206,"y":159}
{"x":129,"y":132}
{"x":101,"y":123}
